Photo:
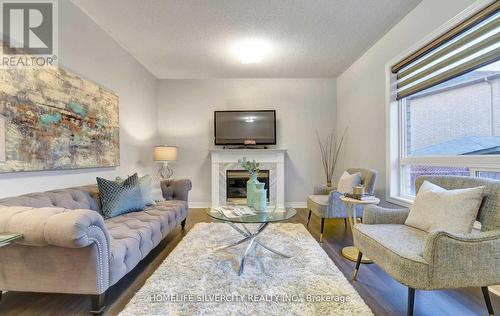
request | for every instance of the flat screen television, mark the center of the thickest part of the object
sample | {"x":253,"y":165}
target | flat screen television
{"x":245,"y":127}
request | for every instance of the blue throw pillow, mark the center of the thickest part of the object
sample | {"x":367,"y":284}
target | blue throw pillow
{"x":120,"y":198}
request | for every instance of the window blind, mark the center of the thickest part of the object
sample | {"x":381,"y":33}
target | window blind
{"x":470,"y":45}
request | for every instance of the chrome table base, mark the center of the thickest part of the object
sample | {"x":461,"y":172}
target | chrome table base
{"x":252,"y":237}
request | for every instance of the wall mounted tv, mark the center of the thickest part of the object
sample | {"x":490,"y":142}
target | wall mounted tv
{"x":245,"y":127}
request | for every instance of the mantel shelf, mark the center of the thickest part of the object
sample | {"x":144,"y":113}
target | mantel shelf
{"x":247,"y":150}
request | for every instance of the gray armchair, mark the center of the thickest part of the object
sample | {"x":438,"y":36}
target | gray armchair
{"x":436,"y":260}
{"x":328,"y":204}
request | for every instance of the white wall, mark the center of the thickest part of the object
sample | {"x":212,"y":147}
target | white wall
{"x":185,"y":118}
{"x":361,"y":88}
{"x":88,"y":51}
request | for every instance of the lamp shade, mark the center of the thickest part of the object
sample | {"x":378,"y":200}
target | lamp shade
{"x":165,"y":153}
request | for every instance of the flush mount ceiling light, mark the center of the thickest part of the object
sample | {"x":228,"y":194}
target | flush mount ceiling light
{"x":252,"y":50}
{"x":250,"y":119}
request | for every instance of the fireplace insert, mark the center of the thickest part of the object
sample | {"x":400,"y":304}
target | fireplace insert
{"x":236,"y":183}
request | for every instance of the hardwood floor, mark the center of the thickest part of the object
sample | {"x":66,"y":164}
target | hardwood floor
{"x":384,"y":295}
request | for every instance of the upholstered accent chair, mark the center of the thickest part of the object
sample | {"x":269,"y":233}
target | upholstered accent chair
{"x":327,"y":204}
{"x":439,"y":259}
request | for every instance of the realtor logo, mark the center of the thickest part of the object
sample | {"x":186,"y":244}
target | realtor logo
{"x":28,"y":28}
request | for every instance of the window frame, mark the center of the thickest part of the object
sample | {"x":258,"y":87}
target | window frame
{"x":396,"y":157}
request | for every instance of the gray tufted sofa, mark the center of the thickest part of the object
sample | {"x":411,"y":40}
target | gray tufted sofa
{"x":68,"y":247}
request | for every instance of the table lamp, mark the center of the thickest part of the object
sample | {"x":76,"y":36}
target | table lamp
{"x":165,"y":154}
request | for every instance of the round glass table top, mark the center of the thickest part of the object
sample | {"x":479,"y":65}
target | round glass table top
{"x":272,"y":214}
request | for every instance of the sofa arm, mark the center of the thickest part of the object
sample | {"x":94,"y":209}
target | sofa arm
{"x":176,"y":189}
{"x":460,"y":260}
{"x":380,"y":215}
{"x":78,"y":236}
{"x":55,"y":226}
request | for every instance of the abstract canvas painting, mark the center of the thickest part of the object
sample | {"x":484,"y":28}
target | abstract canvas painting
{"x":2,"y":139}
{"x":51,"y":119}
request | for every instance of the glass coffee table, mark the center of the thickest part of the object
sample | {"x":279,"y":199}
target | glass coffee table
{"x":9,"y":238}
{"x":271,"y":215}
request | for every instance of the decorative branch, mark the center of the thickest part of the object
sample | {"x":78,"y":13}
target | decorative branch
{"x":330,"y":151}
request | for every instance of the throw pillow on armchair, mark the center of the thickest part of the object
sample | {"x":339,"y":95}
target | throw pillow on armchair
{"x":348,"y":181}
{"x":436,"y":208}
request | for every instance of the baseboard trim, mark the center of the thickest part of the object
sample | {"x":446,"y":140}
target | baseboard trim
{"x":200,"y":204}
{"x":296,"y":204}
{"x":209,"y":204}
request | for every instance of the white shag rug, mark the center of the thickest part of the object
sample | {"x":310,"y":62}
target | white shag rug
{"x":196,"y":279}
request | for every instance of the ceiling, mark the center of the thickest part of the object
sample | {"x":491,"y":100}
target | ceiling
{"x":195,"y":38}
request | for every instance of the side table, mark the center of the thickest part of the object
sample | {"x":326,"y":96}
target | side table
{"x":351,"y":252}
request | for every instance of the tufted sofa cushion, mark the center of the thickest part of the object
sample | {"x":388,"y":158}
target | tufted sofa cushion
{"x":134,"y":235}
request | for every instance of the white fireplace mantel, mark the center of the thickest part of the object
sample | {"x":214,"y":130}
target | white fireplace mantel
{"x":223,"y":159}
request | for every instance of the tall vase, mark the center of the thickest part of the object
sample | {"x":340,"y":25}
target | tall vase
{"x":251,"y":188}
{"x":260,"y":193}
